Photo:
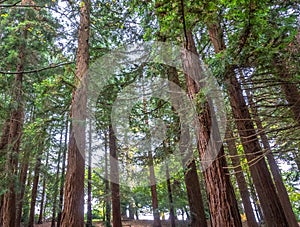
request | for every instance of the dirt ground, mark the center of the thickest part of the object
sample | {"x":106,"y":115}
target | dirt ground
{"x":136,"y":223}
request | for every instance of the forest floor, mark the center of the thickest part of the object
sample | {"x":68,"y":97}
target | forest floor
{"x":137,"y":223}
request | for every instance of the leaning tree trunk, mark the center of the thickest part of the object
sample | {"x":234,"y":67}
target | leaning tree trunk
{"x":114,"y":179}
{"x":240,"y":178}
{"x":282,"y":193}
{"x":73,"y":212}
{"x":272,"y":209}
{"x":222,"y":202}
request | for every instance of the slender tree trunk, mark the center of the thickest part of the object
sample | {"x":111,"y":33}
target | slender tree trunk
{"x":222,"y":202}
{"x":256,"y":204}
{"x":240,"y":178}
{"x":114,"y":179}
{"x":43,"y":200}
{"x":89,"y":183}
{"x":73,"y":213}
{"x":190,"y":171}
{"x":152,"y":179}
{"x":282,"y":193}
{"x":106,"y":182}
{"x":54,"y":207}
{"x":23,"y":177}
{"x":156,"y":216}
{"x":62,"y":178}
{"x":272,"y":209}
{"x":131,"y":210}
{"x":172,"y":214}
{"x":27,"y":195}
{"x":35,"y":188}
{"x":3,"y":144}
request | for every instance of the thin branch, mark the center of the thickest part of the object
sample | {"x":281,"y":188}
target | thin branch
{"x":38,"y":70}
{"x":9,"y":5}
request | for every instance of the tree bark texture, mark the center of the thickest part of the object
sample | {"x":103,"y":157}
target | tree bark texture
{"x":272,"y":209}
{"x":73,"y":212}
{"x":222,"y":202}
{"x":114,"y":176}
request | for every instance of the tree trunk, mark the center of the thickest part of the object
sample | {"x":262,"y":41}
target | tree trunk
{"x":172,"y":214}
{"x":262,"y":180}
{"x":43,"y":200}
{"x":282,"y":193}
{"x":106,"y":182}
{"x":54,"y":207}
{"x":289,"y":88}
{"x":35,"y":188}
{"x":73,"y":213}
{"x":62,"y":178}
{"x":190,"y":171}
{"x":256,"y":204}
{"x":114,"y":179}
{"x":240,"y":178}
{"x":13,"y":138}
{"x":89,"y":183}
{"x":152,"y":179}
{"x":222,"y":202}
{"x":23,"y":177}
{"x":156,"y":216}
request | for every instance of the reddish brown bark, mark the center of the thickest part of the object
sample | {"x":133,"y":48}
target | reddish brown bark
{"x":34,"y":190}
{"x":222,"y":202}
{"x":13,"y":143}
{"x":240,"y":178}
{"x":170,"y":196}
{"x":272,"y":209}
{"x":114,"y":176}
{"x":23,"y":177}
{"x":282,"y":193}
{"x":154,"y":198}
{"x":191,"y":179}
{"x":57,"y":178}
{"x":73,"y":212}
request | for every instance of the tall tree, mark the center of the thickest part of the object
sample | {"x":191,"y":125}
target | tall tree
{"x":222,"y":202}
{"x":15,"y":132}
{"x":262,"y":180}
{"x":282,"y":193}
{"x":73,"y":212}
